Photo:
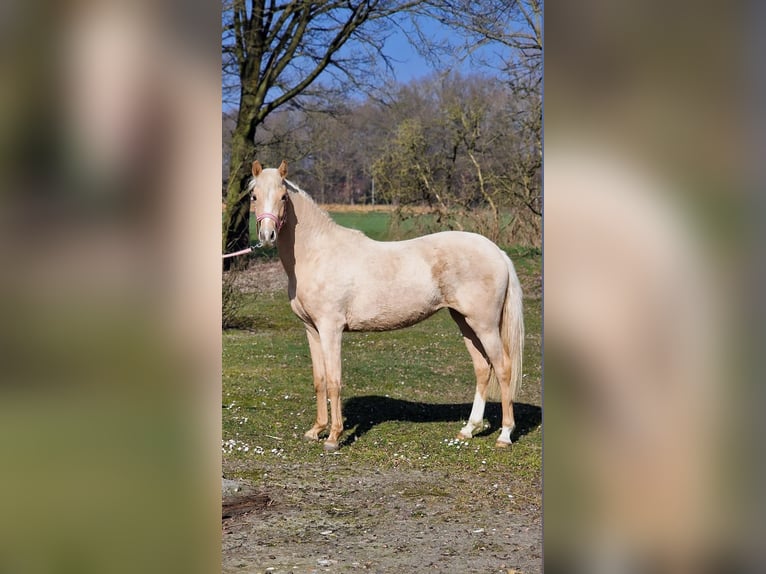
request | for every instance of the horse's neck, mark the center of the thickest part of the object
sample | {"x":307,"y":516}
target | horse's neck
{"x":306,"y":227}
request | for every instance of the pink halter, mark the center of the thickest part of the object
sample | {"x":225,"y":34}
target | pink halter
{"x":277,"y":221}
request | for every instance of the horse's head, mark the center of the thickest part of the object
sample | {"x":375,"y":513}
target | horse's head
{"x":269,"y":193}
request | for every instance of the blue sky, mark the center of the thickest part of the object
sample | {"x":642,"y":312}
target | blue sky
{"x":409,"y":64}
{"x":412,"y":65}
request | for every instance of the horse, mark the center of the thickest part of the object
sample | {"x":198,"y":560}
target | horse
{"x":340,"y":280}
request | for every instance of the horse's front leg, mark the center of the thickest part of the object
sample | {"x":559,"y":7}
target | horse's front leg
{"x":320,"y":384}
{"x":331,"y":343}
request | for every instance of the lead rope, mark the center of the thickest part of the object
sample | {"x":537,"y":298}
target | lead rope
{"x":240,"y":252}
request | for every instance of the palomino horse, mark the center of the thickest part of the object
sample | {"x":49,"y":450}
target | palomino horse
{"x":340,"y":280}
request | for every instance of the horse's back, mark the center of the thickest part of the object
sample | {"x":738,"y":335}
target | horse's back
{"x":462,"y":242}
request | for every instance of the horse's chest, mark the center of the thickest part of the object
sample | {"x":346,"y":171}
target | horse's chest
{"x":300,"y":310}
{"x":311,"y":310}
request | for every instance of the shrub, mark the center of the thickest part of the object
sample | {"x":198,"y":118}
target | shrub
{"x":232,"y":302}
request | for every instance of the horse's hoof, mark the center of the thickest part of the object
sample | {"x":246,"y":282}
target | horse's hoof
{"x":330,"y":446}
{"x":461,"y":436}
{"x":310,"y":437}
{"x":502,"y":444}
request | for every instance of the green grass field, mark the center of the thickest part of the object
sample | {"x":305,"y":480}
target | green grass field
{"x":374,"y":224}
{"x":406,"y":393}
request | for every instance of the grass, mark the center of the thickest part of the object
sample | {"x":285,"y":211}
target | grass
{"x":374,"y":224}
{"x":406,"y":395}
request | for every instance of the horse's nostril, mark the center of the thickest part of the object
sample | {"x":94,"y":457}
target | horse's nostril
{"x":267,"y":236}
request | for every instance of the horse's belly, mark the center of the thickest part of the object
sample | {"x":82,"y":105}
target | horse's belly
{"x":384,"y":322}
{"x":386,"y":314}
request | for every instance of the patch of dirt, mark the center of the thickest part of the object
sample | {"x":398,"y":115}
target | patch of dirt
{"x":261,"y":277}
{"x":238,"y":505}
{"x":330,"y":518}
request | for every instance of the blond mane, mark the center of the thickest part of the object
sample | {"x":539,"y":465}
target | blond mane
{"x":312,"y":215}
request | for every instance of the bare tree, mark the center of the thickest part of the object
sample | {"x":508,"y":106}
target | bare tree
{"x":458,"y":145}
{"x":517,"y":26}
{"x":273,"y":53}
{"x":513,"y":24}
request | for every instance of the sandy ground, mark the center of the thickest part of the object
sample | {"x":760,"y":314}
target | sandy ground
{"x":348,"y":520}
{"x":262,"y":277}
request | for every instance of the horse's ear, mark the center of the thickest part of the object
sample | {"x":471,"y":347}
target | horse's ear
{"x":283,"y":168}
{"x":257,"y":169}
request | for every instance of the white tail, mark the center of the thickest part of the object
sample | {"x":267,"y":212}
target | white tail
{"x":512,"y":329}
{"x":512,"y":335}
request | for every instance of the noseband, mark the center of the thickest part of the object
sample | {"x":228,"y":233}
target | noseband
{"x":277,"y":221}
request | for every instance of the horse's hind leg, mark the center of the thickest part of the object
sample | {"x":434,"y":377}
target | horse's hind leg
{"x":481,"y":368}
{"x":500,"y":363}
{"x":320,"y":384}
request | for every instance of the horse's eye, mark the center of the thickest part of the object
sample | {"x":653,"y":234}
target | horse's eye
{"x":284,"y":197}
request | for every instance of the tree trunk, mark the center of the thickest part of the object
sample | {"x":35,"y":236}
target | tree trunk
{"x":236,"y":217}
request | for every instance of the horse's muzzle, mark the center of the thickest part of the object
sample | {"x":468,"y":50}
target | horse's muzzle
{"x":267,"y":236}
{"x":269,"y":225}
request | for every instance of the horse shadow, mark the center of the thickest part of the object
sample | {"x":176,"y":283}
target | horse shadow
{"x":364,"y":413}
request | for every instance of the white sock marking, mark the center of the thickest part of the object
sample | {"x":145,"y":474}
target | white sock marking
{"x":505,"y":434}
{"x":476,"y":417}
